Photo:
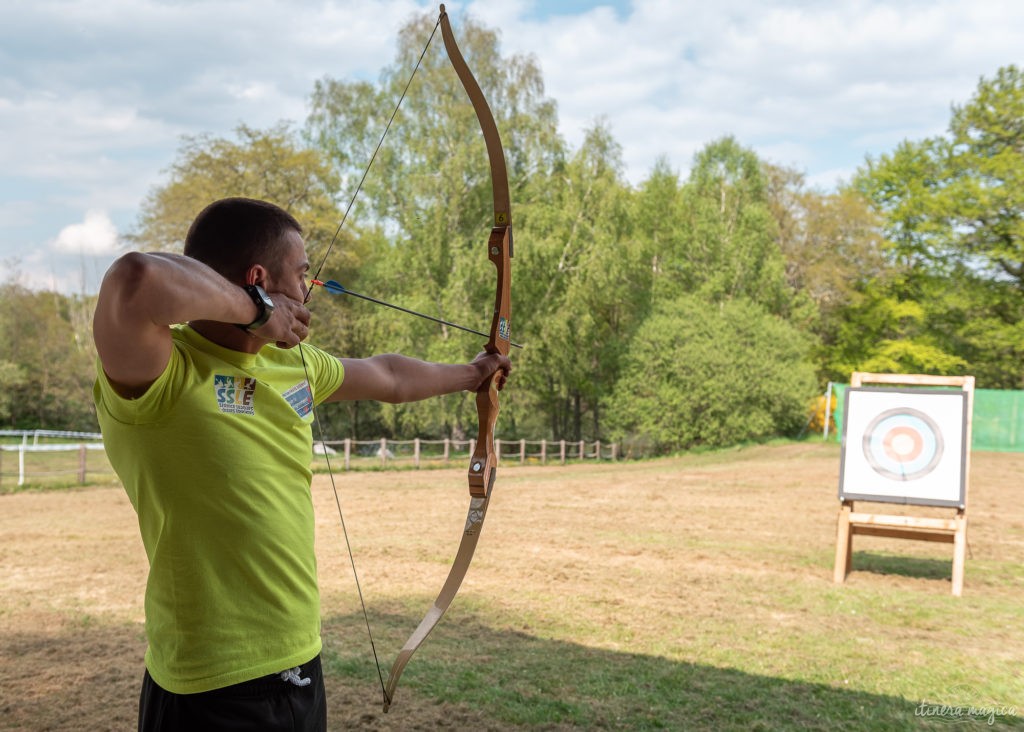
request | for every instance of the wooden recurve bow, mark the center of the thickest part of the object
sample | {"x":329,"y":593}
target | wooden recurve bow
{"x":483,"y":462}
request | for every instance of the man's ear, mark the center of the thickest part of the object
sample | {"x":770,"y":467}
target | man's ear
{"x":256,"y":275}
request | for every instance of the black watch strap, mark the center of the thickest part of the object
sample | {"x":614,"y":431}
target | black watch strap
{"x":265,"y":306}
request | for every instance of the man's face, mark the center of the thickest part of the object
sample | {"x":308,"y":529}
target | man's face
{"x":289,"y":276}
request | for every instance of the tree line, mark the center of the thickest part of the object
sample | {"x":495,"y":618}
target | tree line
{"x":703,"y":310}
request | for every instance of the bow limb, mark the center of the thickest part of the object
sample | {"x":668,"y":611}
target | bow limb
{"x":483,"y":463}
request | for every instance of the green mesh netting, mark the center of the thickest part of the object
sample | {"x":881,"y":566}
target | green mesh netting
{"x":997,"y":425}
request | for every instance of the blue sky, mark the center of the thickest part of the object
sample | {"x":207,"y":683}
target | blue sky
{"x":95,"y":95}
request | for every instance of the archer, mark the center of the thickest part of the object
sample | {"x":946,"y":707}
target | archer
{"x":205,"y":404}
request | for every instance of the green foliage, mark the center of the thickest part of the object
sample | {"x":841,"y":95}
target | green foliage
{"x":712,"y":375}
{"x":46,"y":365}
{"x":728,"y":247}
{"x":12,"y":379}
{"x":426,"y":204}
{"x":585,"y":285}
{"x":987,"y":171}
{"x":952,"y":209}
{"x":679,"y":312}
{"x":831,"y":243}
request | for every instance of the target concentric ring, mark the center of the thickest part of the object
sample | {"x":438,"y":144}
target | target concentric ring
{"x":903,"y":444}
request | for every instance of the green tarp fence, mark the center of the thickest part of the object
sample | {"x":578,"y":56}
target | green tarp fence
{"x":997,"y":424}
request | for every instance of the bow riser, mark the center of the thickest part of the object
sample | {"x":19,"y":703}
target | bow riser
{"x":499,"y":251}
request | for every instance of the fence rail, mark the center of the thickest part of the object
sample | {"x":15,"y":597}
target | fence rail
{"x":52,"y":467}
{"x":32,"y":457}
{"x":417,"y":452}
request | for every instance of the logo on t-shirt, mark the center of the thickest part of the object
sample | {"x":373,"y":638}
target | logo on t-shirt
{"x":301,"y":398}
{"x":235,"y":394}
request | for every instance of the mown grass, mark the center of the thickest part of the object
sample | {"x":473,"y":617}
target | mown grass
{"x":728,"y":621}
{"x":692,"y":593}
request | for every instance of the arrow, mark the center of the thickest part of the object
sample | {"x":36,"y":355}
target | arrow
{"x":336,"y":288}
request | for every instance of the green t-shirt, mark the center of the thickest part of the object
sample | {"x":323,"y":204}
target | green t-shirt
{"x":215,"y":458}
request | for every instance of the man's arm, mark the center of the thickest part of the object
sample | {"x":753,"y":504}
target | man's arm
{"x":143,"y":294}
{"x":396,"y":379}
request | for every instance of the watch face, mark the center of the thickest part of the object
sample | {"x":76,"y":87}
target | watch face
{"x":267,"y":302}
{"x":263,"y":302}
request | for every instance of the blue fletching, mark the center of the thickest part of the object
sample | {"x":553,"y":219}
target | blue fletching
{"x":336,"y":287}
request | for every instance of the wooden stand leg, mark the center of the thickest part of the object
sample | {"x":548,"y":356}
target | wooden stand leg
{"x":959,"y":553}
{"x":844,"y":545}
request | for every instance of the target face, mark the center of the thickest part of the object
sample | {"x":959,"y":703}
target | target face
{"x":904,"y":446}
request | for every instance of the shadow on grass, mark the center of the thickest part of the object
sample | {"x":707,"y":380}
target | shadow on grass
{"x":467,"y":676}
{"x":916,"y":567}
{"x":519,"y":681}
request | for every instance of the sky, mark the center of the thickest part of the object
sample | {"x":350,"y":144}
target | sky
{"x":96,"y":96}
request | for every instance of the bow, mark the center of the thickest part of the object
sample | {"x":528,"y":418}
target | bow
{"x":483,"y":462}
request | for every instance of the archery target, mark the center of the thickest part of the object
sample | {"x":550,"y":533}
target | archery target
{"x":904,"y":446}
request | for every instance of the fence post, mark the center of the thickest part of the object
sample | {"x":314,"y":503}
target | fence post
{"x":416,"y":451}
{"x":597,"y":449}
{"x":543,"y":452}
{"x":81,"y":463}
{"x":561,"y":445}
{"x":21,"y":464}
{"x":384,"y":451}
{"x":522,"y":451}
{"x":348,"y":451}
{"x":615,"y":451}
{"x":583,"y":450}
{"x":497,"y":451}
{"x":472,"y":446}
{"x":446,"y":443}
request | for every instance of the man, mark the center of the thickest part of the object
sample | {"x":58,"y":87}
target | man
{"x":208,"y":426}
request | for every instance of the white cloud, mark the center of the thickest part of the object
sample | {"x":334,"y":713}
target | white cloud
{"x":95,"y":96}
{"x":95,"y":236}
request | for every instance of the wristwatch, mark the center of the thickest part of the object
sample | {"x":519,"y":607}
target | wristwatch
{"x":265,"y":306}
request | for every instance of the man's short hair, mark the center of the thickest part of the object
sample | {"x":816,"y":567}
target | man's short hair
{"x":232,"y":234}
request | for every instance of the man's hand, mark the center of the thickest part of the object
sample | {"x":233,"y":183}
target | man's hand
{"x":288,"y":324}
{"x":486,"y":364}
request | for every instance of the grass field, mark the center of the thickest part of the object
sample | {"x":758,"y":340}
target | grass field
{"x":685,"y":593}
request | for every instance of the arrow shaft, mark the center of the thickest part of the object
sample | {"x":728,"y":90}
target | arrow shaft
{"x":339,"y":289}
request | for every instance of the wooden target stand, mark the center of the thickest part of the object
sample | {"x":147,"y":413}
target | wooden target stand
{"x":951,"y":530}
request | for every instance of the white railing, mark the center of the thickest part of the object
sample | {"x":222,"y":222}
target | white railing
{"x":24,"y":449}
{"x":382,"y":453}
{"x":418,"y":452}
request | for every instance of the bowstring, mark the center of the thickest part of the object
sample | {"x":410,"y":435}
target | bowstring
{"x":305,"y":368}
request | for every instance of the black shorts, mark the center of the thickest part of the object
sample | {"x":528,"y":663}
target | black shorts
{"x":268,"y":704}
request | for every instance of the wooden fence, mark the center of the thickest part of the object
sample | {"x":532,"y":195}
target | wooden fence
{"x":35,"y":460}
{"x":353,"y":454}
{"x":46,"y":457}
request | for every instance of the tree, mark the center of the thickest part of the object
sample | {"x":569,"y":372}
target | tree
{"x":588,"y":287}
{"x":953,"y":211}
{"x":426,"y":202}
{"x":710,"y":375}
{"x":987,"y":168}
{"x":729,"y":248}
{"x":831,"y":242}
{"x":47,"y":368}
